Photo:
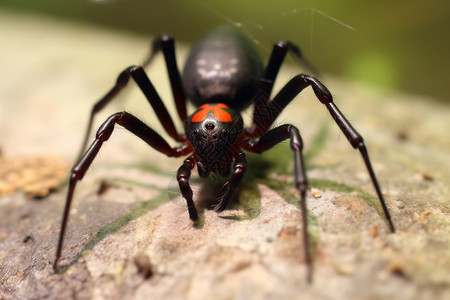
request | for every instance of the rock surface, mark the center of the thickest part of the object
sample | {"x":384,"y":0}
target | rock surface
{"x":134,"y":240}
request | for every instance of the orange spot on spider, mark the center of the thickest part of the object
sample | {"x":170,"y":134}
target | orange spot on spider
{"x":219,"y":113}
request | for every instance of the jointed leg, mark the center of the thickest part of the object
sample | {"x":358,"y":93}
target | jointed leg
{"x":277,"y":56}
{"x":166,"y":44}
{"x":183,"y":175}
{"x":292,"y":89}
{"x":133,"y":125}
{"x":240,"y":166}
{"x":358,"y":143}
{"x":272,"y":138}
{"x":144,"y":83}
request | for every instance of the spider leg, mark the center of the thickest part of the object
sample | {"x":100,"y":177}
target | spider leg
{"x":240,"y":166}
{"x":132,"y":124}
{"x":292,"y":89}
{"x":166,"y":44}
{"x":138,"y":74}
{"x":183,"y":175}
{"x":279,"y":51}
{"x":272,"y":138}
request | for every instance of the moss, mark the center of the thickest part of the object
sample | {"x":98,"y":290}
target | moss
{"x":143,"y":166}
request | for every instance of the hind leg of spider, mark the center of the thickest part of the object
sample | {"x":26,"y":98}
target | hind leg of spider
{"x":132,"y":124}
{"x":140,"y":77}
{"x":165,"y":44}
{"x":279,"y":51}
{"x":272,"y":138}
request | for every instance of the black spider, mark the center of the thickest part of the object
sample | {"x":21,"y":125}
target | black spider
{"x":223,"y":75}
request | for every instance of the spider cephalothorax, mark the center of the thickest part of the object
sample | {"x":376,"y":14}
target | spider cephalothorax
{"x":212,"y":131}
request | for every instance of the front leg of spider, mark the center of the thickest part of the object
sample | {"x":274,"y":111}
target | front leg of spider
{"x":183,"y":175}
{"x":240,"y":167}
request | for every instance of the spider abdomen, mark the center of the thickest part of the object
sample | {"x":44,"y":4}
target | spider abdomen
{"x":223,"y":67}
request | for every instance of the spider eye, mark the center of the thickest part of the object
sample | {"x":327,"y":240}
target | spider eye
{"x":210,"y":126}
{"x":225,"y":133}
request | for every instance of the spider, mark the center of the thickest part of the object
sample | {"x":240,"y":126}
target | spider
{"x":223,"y":75}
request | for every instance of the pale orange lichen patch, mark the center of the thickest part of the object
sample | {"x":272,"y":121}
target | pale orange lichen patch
{"x":37,"y":176}
{"x":374,"y":230}
{"x":316,"y":193}
{"x":427,"y":176}
{"x":350,"y":202}
{"x":287,"y":232}
{"x":421,"y":218}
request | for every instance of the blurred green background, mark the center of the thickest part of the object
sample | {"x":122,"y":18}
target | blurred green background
{"x":391,"y":45}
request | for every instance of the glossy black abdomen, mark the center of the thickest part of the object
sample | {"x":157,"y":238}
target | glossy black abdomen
{"x":224,"y":67}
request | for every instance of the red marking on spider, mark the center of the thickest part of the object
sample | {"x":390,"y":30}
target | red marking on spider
{"x":218,"y":110}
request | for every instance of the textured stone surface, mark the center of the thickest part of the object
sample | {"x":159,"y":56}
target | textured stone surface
{"x":51,"y":75}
